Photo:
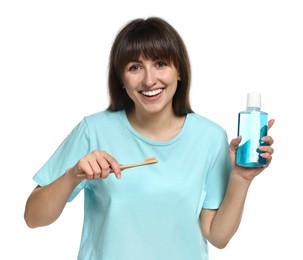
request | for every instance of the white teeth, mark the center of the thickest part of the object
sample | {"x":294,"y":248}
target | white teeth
{"x":152,"y":92}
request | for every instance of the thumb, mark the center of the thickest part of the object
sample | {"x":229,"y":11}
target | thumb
{"x":232,"y":149}
{"x":235,"y":142}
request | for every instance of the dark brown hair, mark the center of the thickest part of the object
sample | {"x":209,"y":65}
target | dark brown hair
{"x":155,"y":39}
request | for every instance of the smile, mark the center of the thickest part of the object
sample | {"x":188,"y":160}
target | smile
{"x":152,"y":93}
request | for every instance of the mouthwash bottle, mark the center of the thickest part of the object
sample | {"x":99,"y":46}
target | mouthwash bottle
{"x":252,"y":126}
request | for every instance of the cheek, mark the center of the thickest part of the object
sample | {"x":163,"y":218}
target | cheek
{"x":130,"y":82}
{"x":130,"y":92}
{"x":124,"y":79}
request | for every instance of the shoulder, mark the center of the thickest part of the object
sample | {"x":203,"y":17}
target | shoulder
{"x":102,"y":117}
{"x":104,"y":121}
{"x":201,"y":123}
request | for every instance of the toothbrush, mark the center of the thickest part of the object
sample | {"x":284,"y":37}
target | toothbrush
{"x":150,"y":160}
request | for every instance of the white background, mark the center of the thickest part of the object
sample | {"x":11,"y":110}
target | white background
{"x":53,"y":70}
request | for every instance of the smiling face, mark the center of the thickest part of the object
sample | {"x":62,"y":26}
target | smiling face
{"x":154,"y":40}
{"x":151,"y":84}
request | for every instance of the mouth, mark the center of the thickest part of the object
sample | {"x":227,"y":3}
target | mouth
{"x":151,"y":93}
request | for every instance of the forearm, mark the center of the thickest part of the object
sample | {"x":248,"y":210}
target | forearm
{"x":45,"y":204}
{"x":228,"y":217}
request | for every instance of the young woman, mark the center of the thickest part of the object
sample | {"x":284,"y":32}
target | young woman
{"x":168,"y":210}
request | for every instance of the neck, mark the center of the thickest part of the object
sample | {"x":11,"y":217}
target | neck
{"x":160,"y":126}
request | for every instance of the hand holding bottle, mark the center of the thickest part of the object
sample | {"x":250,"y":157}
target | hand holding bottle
{"x":252,"y":127}
{"x":267,"y":151}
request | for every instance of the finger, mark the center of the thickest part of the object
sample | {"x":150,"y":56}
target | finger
{"x":267,"y":156}
{"x":83,"y":166}
{"x":232,"y":149}
{"x":266,"y":149}
{"x":113,"y":164}
{"x":235,"y":142}
{"x":270,"y":123}
{"x":99,"y":165}
{"x":268,"y":140}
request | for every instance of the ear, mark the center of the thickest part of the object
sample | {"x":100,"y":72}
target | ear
{"x":179,"y":78}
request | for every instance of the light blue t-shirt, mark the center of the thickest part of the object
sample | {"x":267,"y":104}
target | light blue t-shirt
{"x":152,"y":213}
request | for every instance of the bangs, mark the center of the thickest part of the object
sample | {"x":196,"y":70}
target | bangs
{"x":149,"y":41}
{"x":152,"y":47}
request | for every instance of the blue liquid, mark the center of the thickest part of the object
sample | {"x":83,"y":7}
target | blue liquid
{"x":252,"y":126}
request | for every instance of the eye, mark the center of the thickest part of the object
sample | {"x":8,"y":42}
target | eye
{"x":133,"y":67}
{"x":161,"y":64}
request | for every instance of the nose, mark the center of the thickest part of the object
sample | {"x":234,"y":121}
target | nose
{"x":150,"y":78}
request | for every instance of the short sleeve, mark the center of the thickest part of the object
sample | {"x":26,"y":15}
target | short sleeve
{"x":73,"y":148}
{"x":218,"y":175}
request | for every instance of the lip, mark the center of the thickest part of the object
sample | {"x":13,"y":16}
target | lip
{"x":159,"y":90}
{"x":152,"y":98}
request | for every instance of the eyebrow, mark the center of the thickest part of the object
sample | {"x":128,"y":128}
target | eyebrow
{"x":141,"y":60}
{"x":134,"y":60}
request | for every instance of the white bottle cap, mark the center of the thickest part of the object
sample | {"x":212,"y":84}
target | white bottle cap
{"x":254,"y":99}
